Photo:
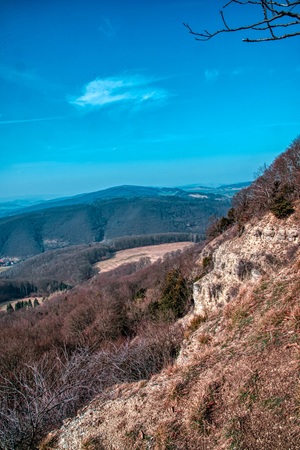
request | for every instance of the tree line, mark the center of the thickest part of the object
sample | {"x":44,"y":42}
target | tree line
{"x":65,"y":268}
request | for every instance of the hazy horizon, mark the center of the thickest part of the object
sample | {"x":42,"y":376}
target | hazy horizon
{"x":49,"y":196}
{"x":99,"y":94}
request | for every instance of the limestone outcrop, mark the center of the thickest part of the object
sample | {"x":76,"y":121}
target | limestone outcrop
{"x":261,"y":248}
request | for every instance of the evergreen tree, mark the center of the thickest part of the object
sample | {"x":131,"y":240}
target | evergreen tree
{"x":175,"y":294}
{"x":9,"y":308}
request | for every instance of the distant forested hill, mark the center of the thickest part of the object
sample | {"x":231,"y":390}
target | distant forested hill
{"x":32,"y":233}
{"x":17,"y":207}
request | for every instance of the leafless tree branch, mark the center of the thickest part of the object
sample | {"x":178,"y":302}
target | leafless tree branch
{"x":276,"y":16}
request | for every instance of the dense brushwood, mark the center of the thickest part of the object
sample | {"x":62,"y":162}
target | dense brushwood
{"x":65,"y":268}
{"x":56,"y":357}
{"x":275,"y":189}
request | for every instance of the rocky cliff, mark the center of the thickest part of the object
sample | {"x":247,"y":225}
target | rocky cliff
{"x":261,"y":248}
{"x":235,"y":384}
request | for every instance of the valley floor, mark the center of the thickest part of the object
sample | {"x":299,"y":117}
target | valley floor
{"x":131,"y":255}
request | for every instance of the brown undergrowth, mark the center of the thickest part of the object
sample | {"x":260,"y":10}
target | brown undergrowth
{"x":245,"y":392}
{"x":235,"y":385}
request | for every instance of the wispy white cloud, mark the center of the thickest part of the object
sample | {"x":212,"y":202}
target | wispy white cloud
{"x":129,"y":90}
{"x":41,"y":119}
{"x":211,"y":75}
{"x":108,"y":28}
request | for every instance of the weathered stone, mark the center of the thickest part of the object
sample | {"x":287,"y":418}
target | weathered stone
{"x":269,"y":232}
{"x":244,"y":259}
{"x":292,"y":234}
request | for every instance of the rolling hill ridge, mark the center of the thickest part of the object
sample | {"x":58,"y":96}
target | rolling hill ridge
{"x":35,"y":232}
{"x":17,"y":207}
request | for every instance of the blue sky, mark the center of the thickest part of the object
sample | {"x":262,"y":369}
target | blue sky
{"x":101,"y":93}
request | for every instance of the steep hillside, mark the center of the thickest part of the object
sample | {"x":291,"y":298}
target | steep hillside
{"x":235,"y":384}
{"x":33,"y":233}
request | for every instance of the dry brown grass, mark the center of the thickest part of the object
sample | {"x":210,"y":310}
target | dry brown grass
{"x":93,"y":443}
{"x":254,"y":402}
{"x":236,"y":387}
{"x":194,"y":324}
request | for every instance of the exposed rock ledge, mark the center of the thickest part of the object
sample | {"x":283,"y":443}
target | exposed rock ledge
{"x":261,"y":249}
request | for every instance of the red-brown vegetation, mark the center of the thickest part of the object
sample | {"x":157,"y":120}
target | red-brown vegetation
{"x":275,"y":189}
{"x":57,"y":356}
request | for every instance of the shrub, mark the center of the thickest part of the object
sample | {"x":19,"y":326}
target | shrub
{"x":195,"y":324}
{"x":204,"y":338}
{"x":274,"y":189}
{"x":9,"y":308}
{"x":281,"y":207}
{"x":207,"y":263}
{"x":218,"y":227}
{"x":175,"y":297}
{"x":89,"y":338}
{"x":93,"y":443}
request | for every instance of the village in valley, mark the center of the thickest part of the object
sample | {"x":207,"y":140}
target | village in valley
{"x":5,"y":262}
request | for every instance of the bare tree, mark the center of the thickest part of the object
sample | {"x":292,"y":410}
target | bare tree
{"x":274,"y":17}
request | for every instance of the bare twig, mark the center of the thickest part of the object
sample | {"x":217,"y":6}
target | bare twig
{"x":276,"y":16}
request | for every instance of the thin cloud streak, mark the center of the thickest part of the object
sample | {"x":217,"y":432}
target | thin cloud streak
{"x":42,"y":119}
{"x":127,"y":90}
{"x":107,"y":28}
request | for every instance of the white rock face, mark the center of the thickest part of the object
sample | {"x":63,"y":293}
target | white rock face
{"x":261,"y":248}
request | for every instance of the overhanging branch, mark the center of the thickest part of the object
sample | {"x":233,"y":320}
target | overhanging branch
{"x":276,"y":17}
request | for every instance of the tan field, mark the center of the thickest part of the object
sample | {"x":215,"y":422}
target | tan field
{"x":154,"y":252}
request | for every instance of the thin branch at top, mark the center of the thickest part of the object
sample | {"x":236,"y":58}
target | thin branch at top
{"x":275,"y":16}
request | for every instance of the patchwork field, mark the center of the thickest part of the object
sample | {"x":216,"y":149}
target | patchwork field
{"x":154,"y":252}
